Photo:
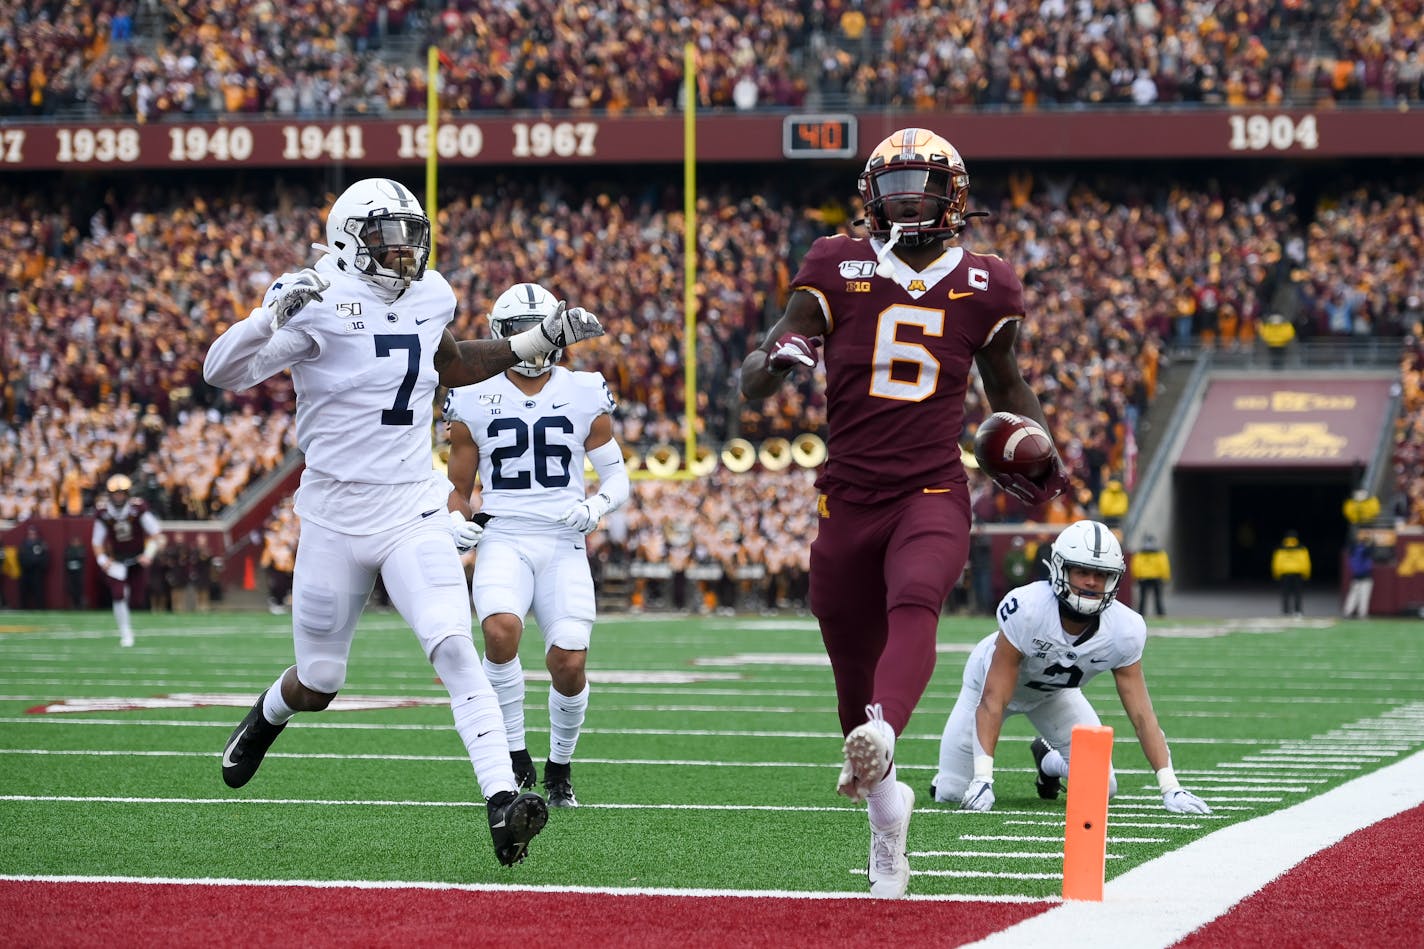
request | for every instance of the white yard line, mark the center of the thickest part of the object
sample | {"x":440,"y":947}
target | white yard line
{"x":1163,"y":900}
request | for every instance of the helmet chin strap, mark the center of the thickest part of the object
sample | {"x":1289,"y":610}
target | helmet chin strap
{"x":883,"y":267}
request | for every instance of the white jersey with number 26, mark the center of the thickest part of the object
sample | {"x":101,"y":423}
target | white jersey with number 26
{"x":531,"y":446}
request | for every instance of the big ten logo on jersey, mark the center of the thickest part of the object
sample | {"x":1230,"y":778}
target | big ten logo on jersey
{"x":978,"y":278}
{"x":857,"y":274}
{"x":351,"y":314}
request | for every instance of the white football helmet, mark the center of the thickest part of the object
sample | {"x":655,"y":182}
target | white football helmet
{"x":1091,"y":545}
{"x":521,"y":307}
{"x":378,"y":231}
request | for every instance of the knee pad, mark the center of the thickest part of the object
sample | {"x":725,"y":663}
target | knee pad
{"x":458,"y":664}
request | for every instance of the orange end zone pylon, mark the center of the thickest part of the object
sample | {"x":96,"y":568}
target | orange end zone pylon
{"x":1085,"y":838}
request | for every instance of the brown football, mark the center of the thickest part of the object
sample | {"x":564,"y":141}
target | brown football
{"x":1012,"y":444}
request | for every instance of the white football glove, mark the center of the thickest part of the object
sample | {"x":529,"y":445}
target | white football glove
{"x":467,"y":533}
{"x":792,"y":350}
{"x":1182,"y":801}
{"x":566,"y":326}
{"x":979,"y":796}
{"x":585,"y":515}
{"x":290,"y":292}
{"x":117,"y":570}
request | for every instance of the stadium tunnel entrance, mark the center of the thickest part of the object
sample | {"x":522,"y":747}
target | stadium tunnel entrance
{"x":1234,"y":520}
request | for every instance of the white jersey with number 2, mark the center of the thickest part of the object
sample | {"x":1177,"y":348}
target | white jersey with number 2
{"x":1028,"y":618}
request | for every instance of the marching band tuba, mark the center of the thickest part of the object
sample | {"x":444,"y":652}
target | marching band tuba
{"x":775,"y":454}
{"x":738,"y":455}
{"x":808,"y":450}
{"x":663,"y":460}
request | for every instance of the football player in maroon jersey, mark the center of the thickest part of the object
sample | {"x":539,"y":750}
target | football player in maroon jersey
{"x":125,"y":539}
{"x":902,"y":314}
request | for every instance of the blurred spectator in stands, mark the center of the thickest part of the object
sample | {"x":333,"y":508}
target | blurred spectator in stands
{"x":279,"y":555}
{"x":1361,"y":564}
{"x":1152,"y":570}
{"x":1112,"y":505}
{"x":35,"y":562}
{"x":1277,"y":333}
{"x":1290,"y":567}
{"x":1018,"y":563}
{"x":981,"y":573}
{"x":9,"y":569}
{"x":75,"y":557}
{"x":1361,"y":507}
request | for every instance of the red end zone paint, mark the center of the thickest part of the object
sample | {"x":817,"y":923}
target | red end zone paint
{"x":41,"y":914}
{"x":1364,"y":891}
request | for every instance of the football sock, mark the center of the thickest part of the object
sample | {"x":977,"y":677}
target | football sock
{"x":121,"y":616}
{"x":507,"y":678}
{"x":476,"y":711}
{"x":1053,"y":764}
{"x":566,"y":713}
{"x":883,"y":802}
{"x":274,"y":708}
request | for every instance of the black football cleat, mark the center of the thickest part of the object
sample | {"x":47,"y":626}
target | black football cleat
{"x":524,"y":774}
{"x":559,"y":785}
{"x":248,"y":743}
{"x":1048,"y":786}
{"x":515,"y":819}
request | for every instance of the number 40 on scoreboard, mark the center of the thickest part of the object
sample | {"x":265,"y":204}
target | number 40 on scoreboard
{"x":818,"y":136}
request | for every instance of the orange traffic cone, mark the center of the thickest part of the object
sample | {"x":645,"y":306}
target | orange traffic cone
{"x":249,"y":575}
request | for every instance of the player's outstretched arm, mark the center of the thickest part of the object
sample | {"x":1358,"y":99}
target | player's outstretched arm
{"x":1132,"y":689}
{"x":788,"y":345}
{"x":999,"y":684}
{"x":469,"y":361}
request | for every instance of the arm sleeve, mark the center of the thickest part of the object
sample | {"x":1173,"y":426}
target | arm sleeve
{"x":612,"y":473}
{"x":249,"y":352}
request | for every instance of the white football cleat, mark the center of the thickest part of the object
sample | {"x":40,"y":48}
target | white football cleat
{"x":126,"y":638}
{"x":868,"y":749}
{"x":889,"y":866}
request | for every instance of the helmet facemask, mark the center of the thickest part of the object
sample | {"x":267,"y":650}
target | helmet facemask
{"x":514,"y":325}
{"x":521,"y":308}
{"x":924,"y":185}
{"x":917,"y":166}
{"x":391,"y":249}
{"x":377,"y":230}
{"x":1091,"y":546}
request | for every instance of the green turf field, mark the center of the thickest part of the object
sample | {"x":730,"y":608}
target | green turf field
{"x":708,"y":760}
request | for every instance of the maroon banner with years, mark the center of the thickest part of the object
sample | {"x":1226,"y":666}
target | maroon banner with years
{"x":479,"y":139}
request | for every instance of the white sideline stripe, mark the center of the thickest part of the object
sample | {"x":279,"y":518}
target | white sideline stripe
{"x":1210,"y":875}
{"x":1002,"y":854}
{"x":1024,"y":838}
{"x":1148,"y":825}
{"x":227,"y":723}
{"x":846,"y":808}
{"x":525,"y":888}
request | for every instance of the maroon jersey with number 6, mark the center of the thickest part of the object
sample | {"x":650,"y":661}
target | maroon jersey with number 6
{"x":898,"y":352}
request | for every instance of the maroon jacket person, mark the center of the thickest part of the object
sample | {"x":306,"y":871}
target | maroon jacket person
{"x":902,"y":314}
{"x":125,"y":539}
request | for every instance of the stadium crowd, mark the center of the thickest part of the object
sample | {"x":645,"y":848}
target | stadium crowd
{"x":111,"y":299}
{"x":148,"y":59}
